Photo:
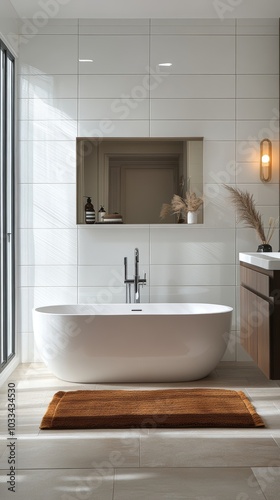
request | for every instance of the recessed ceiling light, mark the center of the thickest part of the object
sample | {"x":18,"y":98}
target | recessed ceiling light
{"x":165,"y":64}
{"x":85,"y":60}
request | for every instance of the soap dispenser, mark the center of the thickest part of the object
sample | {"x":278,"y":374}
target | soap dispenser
{"x":101,"y":213}
{"x":89,"y":211}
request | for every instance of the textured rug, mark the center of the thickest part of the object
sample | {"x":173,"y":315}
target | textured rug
{"x":173,"y":408}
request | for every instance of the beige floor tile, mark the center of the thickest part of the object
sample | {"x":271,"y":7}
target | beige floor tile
{"x":59,"y":485}
{"x":269,"y":413}
{"x":269,"y":480}
{"x":202,"y":448}
{"x":186,"y":484}
{"x":76,"y":450}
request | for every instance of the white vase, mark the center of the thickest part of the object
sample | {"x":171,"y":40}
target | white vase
{"x":192,"y":217}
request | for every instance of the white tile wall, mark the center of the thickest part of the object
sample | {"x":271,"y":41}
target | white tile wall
{"x":113,"y":128}
{"x":257,"y":55}
{"x":223,"y":86}
{"x":194,"y":54}
{"x":264,"y":86}
{"x":47,"y":247}
{"x":49,"y":162}
{"x":92,"y":109}
{"x":194,"y":86}
{"x":193,"y":109}
{"x":48,"y":86}
{"x":114,"y":54}
{"x":47,"y":109}
{"x":111,"y":86}
{"x":47,"y":206}
{"x":49,"y":55}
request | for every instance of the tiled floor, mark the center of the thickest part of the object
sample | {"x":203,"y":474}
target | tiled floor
{"x":154,"y":464}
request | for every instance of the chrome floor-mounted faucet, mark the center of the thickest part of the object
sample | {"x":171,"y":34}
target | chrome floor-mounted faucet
{"x":136,"y":280}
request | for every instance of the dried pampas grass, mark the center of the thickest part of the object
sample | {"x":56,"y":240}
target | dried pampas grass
{"x":166,"y":210}
{"x":248,"y":214}
{"x":193,"y":202}
{"x":179,"y":205}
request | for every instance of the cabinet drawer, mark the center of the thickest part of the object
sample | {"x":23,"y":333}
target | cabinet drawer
{"x":255,"y":281}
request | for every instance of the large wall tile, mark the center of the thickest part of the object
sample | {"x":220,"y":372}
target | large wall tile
{"x":96,"y":275}
{"x":47,"y":109}
{"x":114,"y":109}
{"x":223,"y":130}
{"x":113,"y":128}
{"x":248,"y":130}
{"x":113,"y":86}
{"x":36,"y":276}
{"x":257,"y":86}
{"x":95,"y":245}
{"x":194,"y":54}
{"x":48,"y":86}
{"x":47,"y":162}
{"x":51,"y":55}
{"x":248,"y":149}
{"x":187,"y":275}
{"x":48,"y":247}
{"x":48,"y":206}
{"x":47,"y":130}
{"x":217,"y":211}
{"x":192,"y":109}
{"x":193,"y":86}
{"x":257,"y":55}
{"x":114,"y":54}
{"x":186,"y":245}
{"x":255,"y":109}
{"x":219,"y":162}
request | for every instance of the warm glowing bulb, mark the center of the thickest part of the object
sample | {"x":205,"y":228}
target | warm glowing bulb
{"x":265,"y":159}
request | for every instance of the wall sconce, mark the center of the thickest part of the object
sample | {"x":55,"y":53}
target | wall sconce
{"x":265,"y":160}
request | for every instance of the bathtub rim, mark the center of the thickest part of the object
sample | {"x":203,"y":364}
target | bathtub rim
{"x":142,"y":309}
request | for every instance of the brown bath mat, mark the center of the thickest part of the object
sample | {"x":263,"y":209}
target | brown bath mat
{"x":156,"y":408}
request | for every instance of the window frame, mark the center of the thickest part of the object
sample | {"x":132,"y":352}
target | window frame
{"x":7,"y":198}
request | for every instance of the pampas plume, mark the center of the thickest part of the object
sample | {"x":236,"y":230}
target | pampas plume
{"x":248,"y":214}
{"x":180,"y":205}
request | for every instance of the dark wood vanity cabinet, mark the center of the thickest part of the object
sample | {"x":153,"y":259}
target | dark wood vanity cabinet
{"x":260,"y":317}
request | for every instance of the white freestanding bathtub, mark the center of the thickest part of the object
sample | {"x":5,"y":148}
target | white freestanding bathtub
{"x":131,"y":342}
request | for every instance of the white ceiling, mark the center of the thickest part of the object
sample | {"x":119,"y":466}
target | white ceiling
{"x":132,"y":9}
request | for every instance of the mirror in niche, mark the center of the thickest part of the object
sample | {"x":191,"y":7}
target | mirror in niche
{"x":135,"y":177}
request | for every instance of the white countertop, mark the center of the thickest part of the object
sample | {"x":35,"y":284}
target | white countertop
{"x":265,"y":260}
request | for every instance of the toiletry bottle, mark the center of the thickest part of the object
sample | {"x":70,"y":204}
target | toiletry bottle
{"x":89,"y":212}
{"x":101,"y":213}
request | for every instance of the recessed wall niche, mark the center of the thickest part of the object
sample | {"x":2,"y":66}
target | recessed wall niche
{"x":136,"y":176}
